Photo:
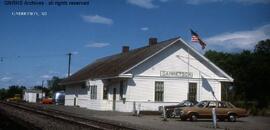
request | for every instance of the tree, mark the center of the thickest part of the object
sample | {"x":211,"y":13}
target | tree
{"x":3,"y":93}
{"x":263,"y":47}
{"x":250,"y":71}
{"x":54,"y":84}
{"x":15,"y":89}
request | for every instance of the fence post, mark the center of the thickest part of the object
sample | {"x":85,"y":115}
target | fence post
{"x":138,"y":110}
{"x":214,"y":118}
{"x":164,"y":113}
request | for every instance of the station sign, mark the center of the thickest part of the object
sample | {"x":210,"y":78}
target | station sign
{"x":179,"y":74}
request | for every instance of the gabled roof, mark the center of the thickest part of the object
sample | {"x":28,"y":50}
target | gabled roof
{"x":113,"y":66}
{"x":207,"y":61}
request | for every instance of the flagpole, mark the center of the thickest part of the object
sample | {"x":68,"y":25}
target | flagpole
{"x":200,"y":85}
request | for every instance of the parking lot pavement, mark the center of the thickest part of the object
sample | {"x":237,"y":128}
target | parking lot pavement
{"x":155,"y":122}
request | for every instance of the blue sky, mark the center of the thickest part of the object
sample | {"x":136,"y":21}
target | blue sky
{"x":34,"y":48}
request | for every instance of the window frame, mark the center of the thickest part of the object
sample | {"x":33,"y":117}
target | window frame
{"x":159,"y":91}
{"x":93,"y":92}
{"x":194,"y":90}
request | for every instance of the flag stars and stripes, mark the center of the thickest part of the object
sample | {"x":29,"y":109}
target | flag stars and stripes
{"x":195,"y":38}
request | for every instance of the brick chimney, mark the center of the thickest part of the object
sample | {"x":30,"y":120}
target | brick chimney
{"x":125,"y":49}
{"x":152,"y":41}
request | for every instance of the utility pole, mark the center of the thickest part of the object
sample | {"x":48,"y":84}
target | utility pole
{"x":42,"y":89}
{"x":69,"y":61}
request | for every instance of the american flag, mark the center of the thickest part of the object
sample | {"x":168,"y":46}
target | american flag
{"x":195,"y":38}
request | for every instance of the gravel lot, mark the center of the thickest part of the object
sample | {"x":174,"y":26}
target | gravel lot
{"x":35,"y":121}
{"x":155,"y":122}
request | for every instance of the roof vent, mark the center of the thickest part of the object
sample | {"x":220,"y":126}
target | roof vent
{"x":125,"y":49}
{"x":152,"y":41}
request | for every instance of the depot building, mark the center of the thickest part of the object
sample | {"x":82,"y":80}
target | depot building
{"x":160,"y":73}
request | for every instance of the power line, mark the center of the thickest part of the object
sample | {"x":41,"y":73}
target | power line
{"x":31,"y":56}
{"x":21,"y":57}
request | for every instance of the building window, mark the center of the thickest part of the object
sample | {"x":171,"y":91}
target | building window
{"x":159,"y":90}
{"x":192,"y":91}
{"x":105,"y":92}
{"x":93,"y":92}
{"x":121,"y":89}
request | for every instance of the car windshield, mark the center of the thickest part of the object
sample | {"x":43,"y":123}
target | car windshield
{"x":182,"y":102}
{"x":201,"y":104}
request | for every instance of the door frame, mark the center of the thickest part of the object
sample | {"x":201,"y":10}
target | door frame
{"x":114,"y":99}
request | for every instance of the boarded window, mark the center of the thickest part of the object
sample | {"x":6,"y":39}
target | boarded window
{"x":159,"y":90}
{"x":93,"y":93}
{"x":192,"y":91}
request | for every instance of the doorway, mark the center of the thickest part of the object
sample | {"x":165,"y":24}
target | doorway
{"x":114,"y":98}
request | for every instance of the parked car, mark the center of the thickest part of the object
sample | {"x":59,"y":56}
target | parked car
{"x":59,"y":98}
{"x":170,"y":109}
{"x":224,"y":110}
{"x":47,"y":101}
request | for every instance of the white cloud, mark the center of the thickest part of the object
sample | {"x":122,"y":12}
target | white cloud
{"x":240,"y":39}
{"x":163,"y":0}
{"x":4,"y":79}
{"x":97,"y":19}
{"x":75,"y":52}
{"x":52,"y":72}
{"x":196,"y":2}
{"x":253,"y":1}
{"x":147,"y":4}
{"x":144,"y":28}
{"x":97,"y":45}
{"x":46,"y":76}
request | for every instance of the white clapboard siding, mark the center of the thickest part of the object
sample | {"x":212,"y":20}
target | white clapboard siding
{"x":139,"y":92}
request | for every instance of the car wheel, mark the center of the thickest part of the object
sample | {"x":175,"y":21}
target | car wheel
{"x":232,"y":117}
{"x":193,"y":117}
{"x":168,"y":115}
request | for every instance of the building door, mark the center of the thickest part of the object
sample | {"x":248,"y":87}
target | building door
{"x":192,"y":91}
{"x":37,"y":99}
{"x":114,"y":98}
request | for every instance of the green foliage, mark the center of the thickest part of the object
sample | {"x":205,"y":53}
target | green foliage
{"x":250,"y":70}
{"x":54,"y":84}
{"x":3,"y":93}
{"x":14,"y":89}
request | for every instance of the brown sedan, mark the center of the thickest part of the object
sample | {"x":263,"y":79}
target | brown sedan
{"x":224,"y":110}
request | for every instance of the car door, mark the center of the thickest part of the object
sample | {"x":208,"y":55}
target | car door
{"x":208,"y":109}
{"x":202,"y":109}
{"x":222,"y":110}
